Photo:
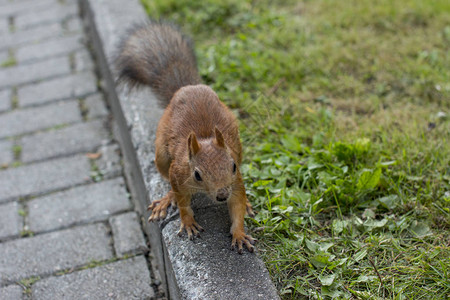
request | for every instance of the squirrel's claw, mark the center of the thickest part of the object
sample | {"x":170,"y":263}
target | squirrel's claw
{"x":249,"y":210}
{"x":192,"y":229}
{"x":159,"y":208}
{"x":242,"y":239}
{"x":157,"y":214}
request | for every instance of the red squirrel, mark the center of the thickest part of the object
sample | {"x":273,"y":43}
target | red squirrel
{"x":198,"y":149}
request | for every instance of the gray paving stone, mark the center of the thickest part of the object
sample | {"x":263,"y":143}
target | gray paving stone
{"x":10,"y":220}
{"x":4,"y":56}
{"x":74,"y":24}
{"x":125,"y":279}
{"x":109,"y":162}
{"x":31,"y":35}
{"x":4,"y":25}
{"x":6,"y":152}
{"x":72,"y":86}
{"x":53,"y":252}
{"x":95,"y":105}
{"x":77,"y":138}
{"x":52,"y":14}
{"x":21,"y":74}
{"x":5,"y":100}
{"x":127,"y":233}
{"x":44,"y":177}
{"x":49,"y":48}
{"x":11,"y":292}
{"x":78,"y":205}
{"x":83,"y":61}
{"x":36,"y":118}
{"x":14,"y":8}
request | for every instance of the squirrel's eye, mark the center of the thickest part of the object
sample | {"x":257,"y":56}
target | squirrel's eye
{"x":197,"y":176}
{"x":234,"y":168}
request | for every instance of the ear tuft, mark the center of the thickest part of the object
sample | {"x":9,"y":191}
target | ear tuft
{"x":219,"y":138}
{"x":193,"y":145}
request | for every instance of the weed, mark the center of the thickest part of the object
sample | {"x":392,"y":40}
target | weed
{"x":26,"y":233}
{"x":96,"y":173}
{"x":14,"y":98}
{"x":10,"y":62}
{"x":57,"y":127}
{"x":16,"y":164}
{"x":98,"y":263}
{"x":28,"y":282}
{"x":83,"y":109}
{"x":17,"y":150}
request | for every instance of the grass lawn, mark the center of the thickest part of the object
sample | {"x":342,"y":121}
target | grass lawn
{"x":344,"y":109}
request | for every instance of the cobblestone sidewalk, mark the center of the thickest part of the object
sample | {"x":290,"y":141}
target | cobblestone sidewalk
{"x":67,"y":226}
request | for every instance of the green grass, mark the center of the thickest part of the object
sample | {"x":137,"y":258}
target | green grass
{"x":344,"y":111}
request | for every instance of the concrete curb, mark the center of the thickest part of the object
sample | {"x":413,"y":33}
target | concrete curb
{"x":200,"y":269}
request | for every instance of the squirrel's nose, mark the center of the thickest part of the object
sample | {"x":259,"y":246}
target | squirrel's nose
{"x":223,"y":194}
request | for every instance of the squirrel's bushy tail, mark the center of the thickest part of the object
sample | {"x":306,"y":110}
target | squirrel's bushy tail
{"x":156,"y":54}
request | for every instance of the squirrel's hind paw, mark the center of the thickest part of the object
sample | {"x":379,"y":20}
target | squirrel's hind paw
{"x":249,"y":210}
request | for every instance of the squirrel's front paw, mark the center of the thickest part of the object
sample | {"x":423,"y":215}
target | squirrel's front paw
{"x":239,"y":238}
{"x":192,"y":228}
{"x":159,"y":208}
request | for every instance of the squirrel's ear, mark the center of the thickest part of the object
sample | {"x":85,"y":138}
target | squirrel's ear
{"x":219,"y":138}
{"x":193,"y":145}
